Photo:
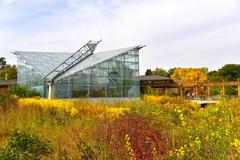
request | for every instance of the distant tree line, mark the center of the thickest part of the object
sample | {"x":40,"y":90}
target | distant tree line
{"x":185,"y":74}
{"x":160,"y":71}
{"x":229,"y":72}
{"x":7,"y":71}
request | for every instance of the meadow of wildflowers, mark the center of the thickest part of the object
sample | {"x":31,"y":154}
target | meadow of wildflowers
{"x":153,"y":128}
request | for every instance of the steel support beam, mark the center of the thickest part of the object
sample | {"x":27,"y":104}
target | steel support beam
{"x":79,"y":56}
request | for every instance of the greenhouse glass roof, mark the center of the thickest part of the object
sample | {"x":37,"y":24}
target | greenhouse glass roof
{"x":45,"y":62}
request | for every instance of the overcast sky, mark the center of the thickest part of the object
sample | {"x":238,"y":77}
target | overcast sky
{"x":178,"y":33}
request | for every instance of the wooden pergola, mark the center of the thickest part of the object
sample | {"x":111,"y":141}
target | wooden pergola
{"x":156,"y":82}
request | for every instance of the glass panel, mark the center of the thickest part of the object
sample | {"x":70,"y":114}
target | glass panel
{"x":100,"y":72}
{"x":112,"y":64}
{"x":80,"y":91}
{"x":119,"y":58}
{"x":136,"y":52}
{"x":130,"y":81}
{"x":87,"y":72}
{"x":98,"y":91}
{"x":129,"y":73}
{"x":27,"y":75}
{"x":39,"y":89}
{"x":131,"y":91}
{"x":114,"y":91}
{"x":102,"y":65}
{"x":81,"y":80}
{"x":130,"y":58}
{"x":130,"y":65}
{"x":114,"y":73}
{"x":115,"y":80}
{"x":99,"y":80}
{"x":80,"y":73}
{"x":63,"y":90}
{"x":135,"y":73}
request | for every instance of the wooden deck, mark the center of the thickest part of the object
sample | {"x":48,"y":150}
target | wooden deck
{"x":203,"y":103}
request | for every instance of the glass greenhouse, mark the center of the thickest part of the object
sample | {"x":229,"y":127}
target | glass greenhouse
{"x":103,"y":74}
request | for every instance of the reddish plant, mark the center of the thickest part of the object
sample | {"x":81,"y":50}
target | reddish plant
{"x":146,"y":142}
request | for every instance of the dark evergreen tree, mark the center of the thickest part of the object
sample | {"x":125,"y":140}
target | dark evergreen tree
{"x":148,"y":72}
{"x":2,"y":62}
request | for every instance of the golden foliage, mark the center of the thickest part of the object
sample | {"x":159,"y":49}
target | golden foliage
{"x":75,"y":108}
{"x":68,"y":105}
{"x":190,"y":74}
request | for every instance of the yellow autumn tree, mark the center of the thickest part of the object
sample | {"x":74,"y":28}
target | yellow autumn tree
{"x":190,"y":74}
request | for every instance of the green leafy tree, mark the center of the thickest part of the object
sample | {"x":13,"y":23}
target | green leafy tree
{"x":213,"y":76}
{"x":160,"y":72}
{"x":8,"y":72}
{"x":171,"y":71}
{"x":230,"y":72}
{"x":25,"y":146}
{"x":23,"y":91}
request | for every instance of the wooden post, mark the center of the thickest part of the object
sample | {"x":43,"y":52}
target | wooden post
{"x":181,"y":91}
{"x":196,"y":91}
{"x":238,"y":88}
{"x":166,"y":91}
{"x":208,"y":88}
{"x":223,"y":90}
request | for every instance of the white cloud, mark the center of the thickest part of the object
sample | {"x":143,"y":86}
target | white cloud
{"x":176,"y":32}
{"x":6,"y":2}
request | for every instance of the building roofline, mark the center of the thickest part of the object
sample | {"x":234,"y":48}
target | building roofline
{"x":22,"y":54}
{"x":17,"y":52}
{"x":122,"y":52}
{"x":153,"y":77}
{"x":8,"y":82}
{"x":30,"y":52}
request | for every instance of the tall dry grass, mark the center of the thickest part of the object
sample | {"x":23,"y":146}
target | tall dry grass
{"x":151,"y":128}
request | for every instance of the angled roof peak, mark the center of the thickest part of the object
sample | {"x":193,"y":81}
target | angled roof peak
{"x":77,"y":57}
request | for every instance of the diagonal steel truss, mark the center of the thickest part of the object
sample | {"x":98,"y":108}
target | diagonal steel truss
{"x":80,"y":55}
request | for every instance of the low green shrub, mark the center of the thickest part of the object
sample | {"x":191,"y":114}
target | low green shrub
{"x":23,"y":91}
{"x":25,"y":146}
